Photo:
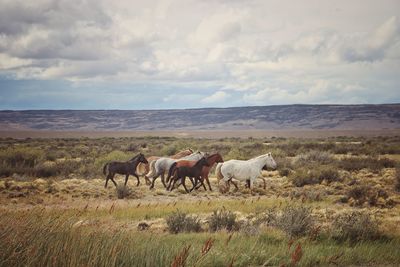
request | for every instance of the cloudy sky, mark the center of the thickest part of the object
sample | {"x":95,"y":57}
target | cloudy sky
{"x":181,"y":54}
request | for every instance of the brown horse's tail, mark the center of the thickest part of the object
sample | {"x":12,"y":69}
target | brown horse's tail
{"x":171,"y":171}
{"x":141,"y":169}
{"x":105,"y":168}
{"x":218,"y":172}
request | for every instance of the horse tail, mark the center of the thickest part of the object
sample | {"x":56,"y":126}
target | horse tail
{"x":218,"y":172}
{"x":152,"y":169}
{"x":105,"y":168}
{"x":171,"y":171}
{"x":141,"y":169}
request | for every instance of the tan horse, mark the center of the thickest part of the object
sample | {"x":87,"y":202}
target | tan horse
{"x":143,"y":168}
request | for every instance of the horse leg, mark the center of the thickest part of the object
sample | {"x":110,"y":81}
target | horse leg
{"x":265,"y":183}
{"x":201,"y":183}
{"x":235,"y":184}
{"x":184,"y":185}
{"x":112,"y":179}
{"x":107,"y":178}
{"x":126,"y":179}
{"x":146,"y":171}
{"x":137,"y":177}
{"x":154,"y":179}
{"x":172,"y":183}
{"x":251,"y":186}
{"x":163,"y":179}
{"x":208,"y":181}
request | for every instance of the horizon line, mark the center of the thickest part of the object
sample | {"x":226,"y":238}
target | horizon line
{"x":198,"y":108}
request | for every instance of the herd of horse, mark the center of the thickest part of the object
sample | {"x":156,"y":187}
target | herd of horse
{"x":189,"y":164}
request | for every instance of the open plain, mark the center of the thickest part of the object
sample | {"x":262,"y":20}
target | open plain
{"x":331,"y":201}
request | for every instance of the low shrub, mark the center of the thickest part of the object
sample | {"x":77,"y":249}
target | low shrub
{"x":355,"y":226}
{"x":222,"y":219}
{"x":284,"y":166}
{"x":397,"y":180}
{"x":359,"y":193}
{"x":293,"y":220}
{"x":123,"y":191}
{"x":314,"y":175}
{"x":179,"y":222}
{"x":314,"y":156}
{"x":373,"y":164}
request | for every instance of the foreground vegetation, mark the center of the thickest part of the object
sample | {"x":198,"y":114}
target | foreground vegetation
{"x":331,"y":202}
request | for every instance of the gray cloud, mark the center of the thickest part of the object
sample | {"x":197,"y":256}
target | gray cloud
{"x":257,"y":48}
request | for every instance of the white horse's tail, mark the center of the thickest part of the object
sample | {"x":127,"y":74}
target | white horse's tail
{"x":152,"y":171}
{"x":218,"y":172}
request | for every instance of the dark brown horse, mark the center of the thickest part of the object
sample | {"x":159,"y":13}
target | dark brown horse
{"x":127,"y":168}
{"x":180,"y":173}
{"x":211,"y":160}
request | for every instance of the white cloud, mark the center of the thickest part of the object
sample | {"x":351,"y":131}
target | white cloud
{"x":251,"y":52}
{"x":217,"y":97}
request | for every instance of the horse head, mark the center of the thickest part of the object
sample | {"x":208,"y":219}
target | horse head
{"x":203,"y":161}
{"x":270,"y":162}
{"x":215,"y":158}
{"x":142,"y":158}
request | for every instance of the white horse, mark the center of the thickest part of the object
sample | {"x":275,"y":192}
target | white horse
{"x":162,"y":165}
{"x":244,"y":170}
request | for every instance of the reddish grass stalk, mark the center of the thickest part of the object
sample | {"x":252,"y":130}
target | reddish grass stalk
{"x":296,"y":255}
{"x":180,"y":258}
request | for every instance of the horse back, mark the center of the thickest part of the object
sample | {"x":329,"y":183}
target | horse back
{"x":121,"y":167}
{"x":187,"y":163}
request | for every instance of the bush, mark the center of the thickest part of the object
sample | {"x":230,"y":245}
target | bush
{"x":314,"y":156}
{"x":373,"y":164}
{"x":179,"y":222}
{"x":314,"y":175}
{"x":359,"y":193}
{"x":112,"y":156}
{"x":355,"y":226}
{"x":123,"y":191}
{"x":20,"y":157}
{"x":222,"y":219}
{"x":169,"y":150}
{"x":284,"y":166}
{"x":294,"y":221}
{"x":284,"y":172}
{"x":397,"y":180}
{"x":64,"y":168}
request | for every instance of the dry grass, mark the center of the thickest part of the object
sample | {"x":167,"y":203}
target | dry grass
{"x":71,"y":211}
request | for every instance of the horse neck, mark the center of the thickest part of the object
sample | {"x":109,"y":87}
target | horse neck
{"x":260,"y":161}
{"x":198,"y":164}
{"x":212,"y":159}
{"x":192,"y":157}
{"x":181,"y":154}
{"x":135,"y":158}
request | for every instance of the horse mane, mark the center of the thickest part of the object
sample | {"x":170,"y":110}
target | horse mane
{"x":212,"y":155}
{"x":198,"y":162}
{"x":262,"y":156}
{"x":135,"y":157}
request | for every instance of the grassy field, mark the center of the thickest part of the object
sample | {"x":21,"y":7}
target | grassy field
{"x":331,"y":202}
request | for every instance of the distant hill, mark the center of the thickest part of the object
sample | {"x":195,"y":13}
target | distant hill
{"x":287,"y":117}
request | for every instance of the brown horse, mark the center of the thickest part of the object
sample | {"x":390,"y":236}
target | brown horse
{"x":143,"y":168}
{"x":127,"y":168}
{"x":211,"y":160}
{"x":180,"y":173}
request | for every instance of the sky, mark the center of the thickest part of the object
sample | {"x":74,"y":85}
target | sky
{"x":99,"y":54}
